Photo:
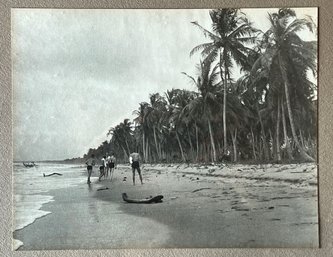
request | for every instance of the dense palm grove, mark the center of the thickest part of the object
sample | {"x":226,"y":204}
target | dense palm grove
{"x":267,"y":115}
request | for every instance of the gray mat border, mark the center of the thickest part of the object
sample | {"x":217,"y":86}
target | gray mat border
{"x":325,"y":127}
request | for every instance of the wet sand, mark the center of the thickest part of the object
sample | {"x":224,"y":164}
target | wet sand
{"x":203,"y":206}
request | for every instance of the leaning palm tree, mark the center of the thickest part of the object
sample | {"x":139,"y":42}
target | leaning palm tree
{"x":155,"y":119}
{"x":287,"y":59}
{"x":117,"y":138}
{"x":142,"y":125}
{"x":205,"y":104}
{"x":231,"y":31}
{"x":122,"y":136}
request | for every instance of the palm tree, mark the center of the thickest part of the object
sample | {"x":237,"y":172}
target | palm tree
{"x":287,"y":60}
{"x":155,"y":119}
{"x":142,"y":125}
{"x":205,"y":104}
{"x":122,"y":136}
{"x":176,"y":122}
{"x":126,"y":127}
{"x":231,"y":32}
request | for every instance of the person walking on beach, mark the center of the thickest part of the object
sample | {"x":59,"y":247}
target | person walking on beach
{"x":112,"y":165}
{"x":134,"y":160}
{"x":90,"y":163}
{"x":107,"y":169}
{"x":102,"y":168}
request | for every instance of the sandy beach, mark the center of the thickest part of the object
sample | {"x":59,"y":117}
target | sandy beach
{"x":203,"y":206}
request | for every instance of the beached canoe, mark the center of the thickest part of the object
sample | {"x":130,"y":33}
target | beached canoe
{"x":29,"y":165}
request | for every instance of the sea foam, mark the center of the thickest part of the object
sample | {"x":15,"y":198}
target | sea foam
{"x":31,"y":191}
{"x":17,"y":244}
{"x":27,"y":209}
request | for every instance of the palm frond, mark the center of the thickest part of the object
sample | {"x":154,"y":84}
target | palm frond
{"x":298,"y":25}
{"x":191,"y":78}
{"x":201,"y":47}
{"x":212,"y":56}
{"x":286,"y":12}
{"x":248,"y":40}
{"x":242,"y":30}
{"x":206,"y":32}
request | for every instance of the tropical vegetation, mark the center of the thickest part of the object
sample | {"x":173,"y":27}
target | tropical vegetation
{"x":266,"y":115}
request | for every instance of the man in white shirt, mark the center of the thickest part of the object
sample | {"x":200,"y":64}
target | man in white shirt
{"x":107,"y":168}
{"x":134,"y":160}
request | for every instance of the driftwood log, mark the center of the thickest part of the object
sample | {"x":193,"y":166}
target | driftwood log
{"x":155,"y":199}
{"x":52,"y":174}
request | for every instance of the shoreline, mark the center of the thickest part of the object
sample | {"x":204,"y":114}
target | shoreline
{"x":197,"y":209}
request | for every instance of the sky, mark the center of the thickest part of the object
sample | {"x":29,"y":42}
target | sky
{"x":78,"y":72}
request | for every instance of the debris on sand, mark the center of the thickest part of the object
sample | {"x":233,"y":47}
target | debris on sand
{"x":52,"y":174}
{"x":155,"y":199}
{"x":200,"y":189}
{"x":103,"y":188}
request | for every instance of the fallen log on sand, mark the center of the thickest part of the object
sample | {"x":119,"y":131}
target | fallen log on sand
{"x":52,"y":174}
{"x":155,"y":199}
{"x":103,"y":188}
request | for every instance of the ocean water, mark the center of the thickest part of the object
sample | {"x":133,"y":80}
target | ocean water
{"x":31,"y":190}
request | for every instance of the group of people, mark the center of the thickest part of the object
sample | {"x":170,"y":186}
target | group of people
{"x":107,"y":166}
{"x":109,"y":163}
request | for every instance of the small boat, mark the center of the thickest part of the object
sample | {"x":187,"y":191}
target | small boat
{"x":29,"y":164}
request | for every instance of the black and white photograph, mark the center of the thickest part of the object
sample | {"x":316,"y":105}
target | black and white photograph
{"x":165,"y":128}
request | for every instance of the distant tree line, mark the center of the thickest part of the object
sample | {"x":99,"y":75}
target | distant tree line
{"x":269,"y":114}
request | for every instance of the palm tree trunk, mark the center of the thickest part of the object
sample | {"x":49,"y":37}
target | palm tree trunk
{"x":125,"y":154}
{"x":143,"y":147}
{"x":155,"y":139}
{"x":225,"y":143}
{"x":190,"y":141}
{"x":253,"y":145}
{"x":180,"y":147}
{"x":206,"y":153}
{"x":212,"y":140}
{"x":278,"y":152}
{"x":261,"y":155}
{"x":272,"y":151}
{"x":266,"y":155}
{"x":304,"y":155}
{"x":160,"y":151}
{"x":234,"y":143}
{"x":147,"y":148}
{"x":302,"y":138}
{"x":128,"y":150}
{"x":285,"y":135}
{"x":197,"y":139}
